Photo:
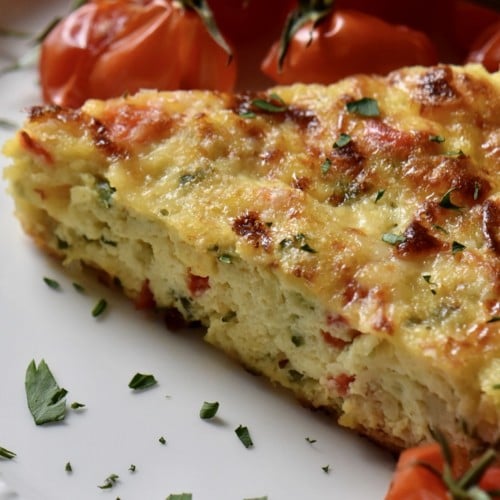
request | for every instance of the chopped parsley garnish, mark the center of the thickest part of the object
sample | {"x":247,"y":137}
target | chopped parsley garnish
{"x":295,"y":375}
{"x":142,"y":381}
{"x":52,"y":283}
{"x":326,"y":469}
{"x":109,"y":482}
{"x":455,"y":152}
{"x":186,"y":179}
{"x":5,"y":453}
{"x":256,"y":498}
{"x":76,"y":406}
{"x":228,"y":316}
{"x":393,"y":239}
{"x":436,"y":138}
{"x":247,"y":114}
{"x":99,"y":308}
{"x":310,"y":440}
{"x":68,"y":467}
{"x":105,"y":192}
{"x":274,"y":104}
{"x":494,"y":319}
{"x":209,"y":410}
{"x":325,"y":166}
{"x":366,"y":106}
{"x":180,"y":496}
{"x":132,"y":468}
{"x":79,"y":288}
{"x":164,"y":212}
{"x":46,"y":400}
{"x":427,"y":278}
{"x":7,"y":124}
{"x":342,"y":140}
{"x":457,"y":247}
{"x":162,"y":440}
{"x":244,"y":436}
{"x":109,"y":242}
{"x":379,"y":194}
{"x":446,"y":200}
{"x":298,"y":340}
{"x":477,"y":189}
{"x":298,"y":241}
{"x":440,"y":228}
{"x":225,"y":258}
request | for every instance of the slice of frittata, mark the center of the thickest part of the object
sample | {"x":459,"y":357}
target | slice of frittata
{"x":344,"y":241}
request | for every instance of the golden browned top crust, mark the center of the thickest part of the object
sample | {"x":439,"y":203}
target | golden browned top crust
{"x":390,"y":217}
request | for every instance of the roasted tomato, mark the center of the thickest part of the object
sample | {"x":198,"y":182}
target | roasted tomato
{"x":486,"y":49}
{"x":110,"y":47}
{"x":431,"y":472}
{"x":341,"y":43}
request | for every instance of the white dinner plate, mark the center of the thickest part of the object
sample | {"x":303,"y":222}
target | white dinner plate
{"x":94,"y":359}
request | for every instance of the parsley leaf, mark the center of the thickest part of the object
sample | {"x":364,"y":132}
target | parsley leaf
{"x":457,"y":247}
{"x":52,"y":283}
{"x":105,"y":192}
{"x":5,"y":453}
{"x":76,"y":406}
{"x":244,"y":436}
{"x":366,"y":106}
{"x":162,"y":440}
{"x":142,"y":381}
{"x":46,"y":400}
{"x":99,"y":308}
{"x":325,"y":166}
{"x":342,"y":140}
{"x":209,"y":410}
{"x":436,"y":138}
{"x":393,"y":239}
{"x":274,"y":104}
{"x":326,"y":469}
{"x":379,"y":194}
{"x":109,"y":482}
{"x":180,"y":496}
{"x":446,"y":200}
{"x":310,"y":440}
{"x":68,"y":467}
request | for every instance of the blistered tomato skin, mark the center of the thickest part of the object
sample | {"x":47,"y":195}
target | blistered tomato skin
{"x":345,"y":43}
{"x":107,"y":48}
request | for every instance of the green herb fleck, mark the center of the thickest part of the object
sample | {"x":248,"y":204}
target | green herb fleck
{"x":342,"y":140}
{"x":379,"y":194}
{"x":393,"y":239}
{"x":180,"y":496}
{"x":52,"y":283}
{"x":274,"y":104}
{"x":46,"y":400}
{"x":257,"y":498}
{"x":446,"y":200}
{"x":244,"y":436}
{"x":109,"y":242}
{"x":247,"y":114}
{"x":162,"y":440}
{"x":295,"y":376}
{"x":105,"y":192}
{"x":142,"y":381}
{"x":225,"y":258}
{"x":132,"y":468}
{"x":99,"y":308}
{"x":164,"y":212}
{"x":79,"y":288}
{"x":477,"y":189}
{"x":5,"y":453}
{"x":310,"y":440}
{"x":457,"y":247}
{"x":436,"y":138}
{"x":440,"y":228}
{"x":7,"y":124}
{"x":455,"y":152}
{"x":76,"y":406}
{"x":228,"y":316}
{"x":494,"y":319}
{"x":208,"y":410}
{"x":109,"y":482}
{"x":495,"y":386}
{"x":68,"y":467}
{"x":326,"y":469}
{"x":186,"y":179}
{"x":365,"y":106}
{"x":61,"y":244}
{"x":298,"y":340}
{"x":325,"y":166}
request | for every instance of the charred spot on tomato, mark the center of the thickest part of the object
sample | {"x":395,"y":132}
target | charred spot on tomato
{"x":491,"y":224}
{"x":418,"y":241}
{"x":197,"y":285}
{"x":34,"y":147}
{"x":145,"y":299}
{"x":250,"y":227}
{"x":435,"y":86}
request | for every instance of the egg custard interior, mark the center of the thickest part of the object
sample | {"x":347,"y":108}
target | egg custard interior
{"x":343,"y":240}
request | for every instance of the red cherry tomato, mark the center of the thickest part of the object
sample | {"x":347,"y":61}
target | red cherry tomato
{"x":486,"y":49}
{"x":344,"y":43}
{"x":109,"y":47}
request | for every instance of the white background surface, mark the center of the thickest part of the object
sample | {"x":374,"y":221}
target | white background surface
{"x":95,"y":359}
